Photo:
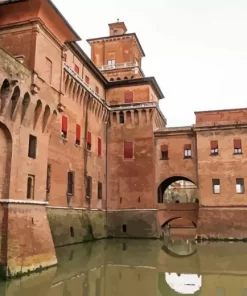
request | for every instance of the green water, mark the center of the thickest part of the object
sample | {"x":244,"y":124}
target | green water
{"x":140,"y":268}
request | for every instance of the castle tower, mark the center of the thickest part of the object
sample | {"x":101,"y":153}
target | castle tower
{"x":119,"y":55}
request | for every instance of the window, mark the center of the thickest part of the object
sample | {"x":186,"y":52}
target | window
{"x":128,"y":97}
{"x":214,"y":147}
{"x":32,"y":146}
{"x":237,"y":146}
{"x":72,"y":233}
{"x":99,"y":190}
{"x":99,"y":146}
{"x":115,"y":32}
{"x":128,"y":149}
{"x":164,"y":152}
{"x":48,"y":181}
{"x":111,"y":62}
{"x":87,"y":79}
{"x":64,"y":127}
{"x":78,"y":135}
{"x":77,"y":69}
{"x":89,"y":140}
{"x":124,"y":228}
{"x":71,"y":177}
{"x":89,"y":187}
{"x":97,"y":90}
{"x":48,"y":71}
{"x":30,"y":187}
{"x":216,"y":186}
{"x":187,"y":151}
{"x":121,"y":117}
{"x":240,"y":185}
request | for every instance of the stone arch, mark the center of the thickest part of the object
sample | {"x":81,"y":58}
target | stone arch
{"x":118,"y":78}
{"x":167,"y":182}
{"x":112,"y":79}
{"x":114,"y":117}
{"x":176,"y":215}
{"x":24,"y":106}
{"x":37,"y":112}
{"x":126,"y":78}
{"x":46,"y":116}
{"x":169,"y":247}
{"x":5,"y":160}
{"x":4,"y":93}
{"x":136,"y":116}
{"x":14,"y":101}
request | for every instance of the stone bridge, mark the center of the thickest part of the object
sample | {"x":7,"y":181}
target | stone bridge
{"x":171,"y":211}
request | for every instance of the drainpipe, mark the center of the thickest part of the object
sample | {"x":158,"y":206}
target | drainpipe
{"x":106,"y":165}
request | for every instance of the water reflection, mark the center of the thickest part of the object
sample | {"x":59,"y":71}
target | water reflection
{"x":140,"y":267}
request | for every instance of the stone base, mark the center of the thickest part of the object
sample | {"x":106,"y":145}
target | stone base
{"x":222,"y":223}
{"x":71,"y":226}
{"x":133,"y":224}
{"x":25,"y":240}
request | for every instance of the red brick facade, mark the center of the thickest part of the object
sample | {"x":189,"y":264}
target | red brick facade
{"x":80,"y":135}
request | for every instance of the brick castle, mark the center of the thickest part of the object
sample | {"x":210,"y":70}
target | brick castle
{"x":85,"y":151}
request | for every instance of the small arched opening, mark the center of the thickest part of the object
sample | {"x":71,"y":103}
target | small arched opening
{"x":112,"y":79}
{"x":5,"y":160}
{"x":177,"y":189}
{"x":4,"y":93}
{"x":46,"y":118}
{"x":37,"y":112}
{"x":25,"y":104}
{"x":14,"y":100}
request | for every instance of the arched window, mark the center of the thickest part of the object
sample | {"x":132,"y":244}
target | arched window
{"x":14,"y":100}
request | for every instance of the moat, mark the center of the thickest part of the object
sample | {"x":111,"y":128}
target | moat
{"x":118,"y":267}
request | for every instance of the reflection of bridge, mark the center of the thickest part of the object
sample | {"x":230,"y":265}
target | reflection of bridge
{"x":134,"y":267}
{"x":170,"y":211}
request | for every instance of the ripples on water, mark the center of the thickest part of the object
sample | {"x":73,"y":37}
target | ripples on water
{"x":140,"y":268}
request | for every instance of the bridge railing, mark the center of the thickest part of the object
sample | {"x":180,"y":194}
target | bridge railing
{"x":178,"y":206}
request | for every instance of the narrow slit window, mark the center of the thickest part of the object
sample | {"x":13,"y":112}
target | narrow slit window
{"x":124,"y":228}
{"x":240,"y":185}
{"x":48,"y":181}
{"x":30,"y":187}
{"x":187,"y":151}
{"x":99,"y":147}
{"x":216,"y":186}
{"x":237,"y":146}
{"x":121,"y":117}
{"x":32,"y":146}
{"x":89,"y":187}
{"x":71,"y":178}
{"x":164,"y":152}
{"x":78,"y":135}
{"x":99,"y":190}
{"x":214,"y":147}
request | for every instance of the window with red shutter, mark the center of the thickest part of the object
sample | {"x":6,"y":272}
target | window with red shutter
{"x":214,"y":147}
{"x":78,"y":135}
{"x":164,"y":151}
{"x":87,"y":79}
{"x":128,"y":97}
{"x":64,"y":127}
{"x":89,"y":143}
{"x":97,"y":90}
{"x":187,"y":151}
{"x":237,"y":146}
{"x":77,"y":69}
{"x":128,"y":149}
{"x":99,"y":146}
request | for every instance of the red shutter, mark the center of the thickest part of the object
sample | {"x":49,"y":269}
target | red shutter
{"x":76,"y":68}
{"x":78,"y":132}
{"x":164,"y":148}
{"x":97,"y":90}
{"x":128,"y":149}
{"x":64,"y":123}
{"x":128,"y":97}
{"x":237,"y":144}
{"x":99,"y":147}
{"x":214,"y":144}
{"x":88,"y":137}
{"x":87,"y":79}
{"x":187,"y":147}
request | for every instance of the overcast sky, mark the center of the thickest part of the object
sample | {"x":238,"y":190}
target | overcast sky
{"x":196,"y":49}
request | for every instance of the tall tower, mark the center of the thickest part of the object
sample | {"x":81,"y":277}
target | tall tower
{"x":119,"y":55}
{"x":134,"y":114}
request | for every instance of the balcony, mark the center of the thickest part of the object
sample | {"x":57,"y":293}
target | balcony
{"x":118,"y":66}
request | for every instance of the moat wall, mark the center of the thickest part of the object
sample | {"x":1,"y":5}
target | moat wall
{"x":71,"y":226}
